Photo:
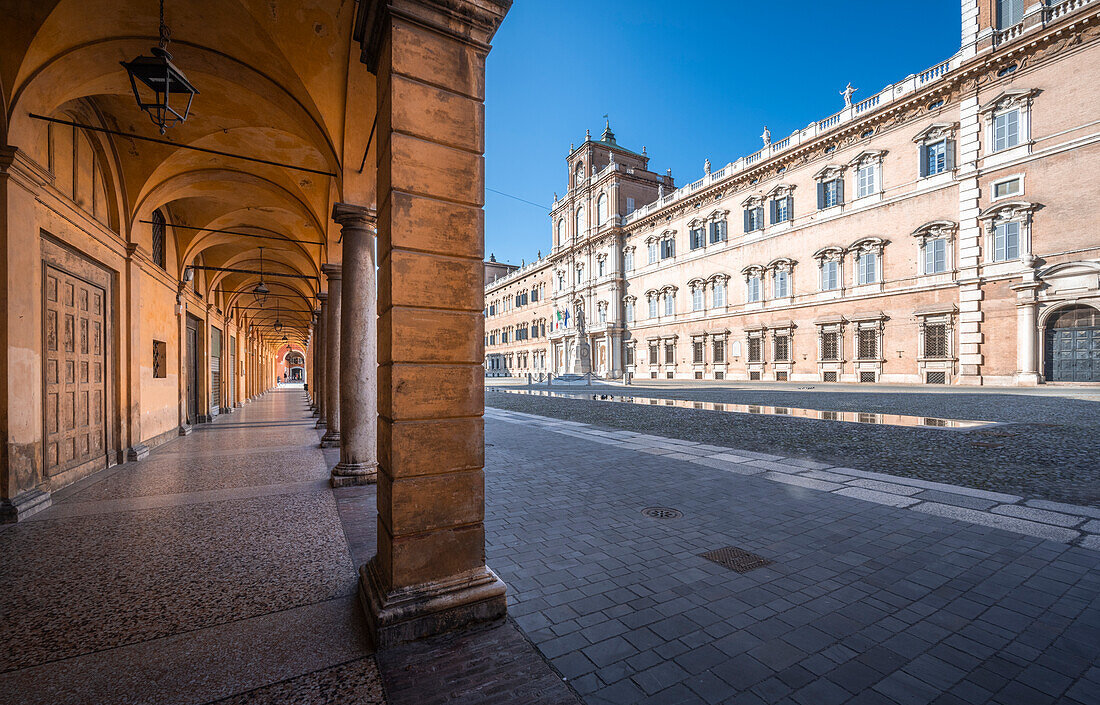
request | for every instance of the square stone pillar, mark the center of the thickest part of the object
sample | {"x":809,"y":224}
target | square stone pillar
{"x":429,"y":574}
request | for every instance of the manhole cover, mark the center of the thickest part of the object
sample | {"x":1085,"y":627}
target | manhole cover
{"x":662,"y":513}
{"x":736,"y":559}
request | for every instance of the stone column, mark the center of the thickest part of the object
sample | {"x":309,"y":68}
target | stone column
{"x":429,"y":574}
{"x":331,"y":439}
{"x":322,"y":350}
{"x":1027,"y":333}
{"x":358,"y":349}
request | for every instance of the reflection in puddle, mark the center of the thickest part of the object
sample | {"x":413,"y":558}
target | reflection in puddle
{"x":847,"y":416}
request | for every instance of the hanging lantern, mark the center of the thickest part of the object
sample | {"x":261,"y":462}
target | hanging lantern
{"x":260,"y":291}
{"x":278,"y":326}
{"x":155,"y":80}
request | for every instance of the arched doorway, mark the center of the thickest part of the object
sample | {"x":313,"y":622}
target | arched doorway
{"x":1072,"y":345}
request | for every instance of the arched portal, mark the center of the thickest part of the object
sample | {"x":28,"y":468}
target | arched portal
{"x":1072,"y":345}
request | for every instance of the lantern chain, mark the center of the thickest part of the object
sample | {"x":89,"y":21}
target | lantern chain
{"x":165,"y":33}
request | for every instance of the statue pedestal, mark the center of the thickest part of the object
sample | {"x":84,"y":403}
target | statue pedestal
{"x":583,"y":363}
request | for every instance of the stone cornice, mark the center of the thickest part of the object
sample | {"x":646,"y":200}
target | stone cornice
{"x":976,"y":73}
{"x":471,"y":21}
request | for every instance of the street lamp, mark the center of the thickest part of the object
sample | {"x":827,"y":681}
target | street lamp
{"x":161,"y":79}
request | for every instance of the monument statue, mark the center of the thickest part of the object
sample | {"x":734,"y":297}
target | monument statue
{"x":583,"y":359}
{"x":767,"y":136}
{"x":847,"y":93}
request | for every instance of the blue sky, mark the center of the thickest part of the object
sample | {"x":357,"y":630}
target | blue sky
{"x":695,"y":84}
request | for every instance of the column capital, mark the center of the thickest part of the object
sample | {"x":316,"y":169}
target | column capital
{"x":322,"y":297}
{"x":352,"y":216}
{"x":332,"y":271}
{"x":471,"y":21}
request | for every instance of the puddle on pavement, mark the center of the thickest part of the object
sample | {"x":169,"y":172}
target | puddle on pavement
{"x":845,"y":416}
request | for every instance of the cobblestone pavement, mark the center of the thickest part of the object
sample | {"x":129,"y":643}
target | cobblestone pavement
{"x":1045,"y":445}
{"x":862,"y":602}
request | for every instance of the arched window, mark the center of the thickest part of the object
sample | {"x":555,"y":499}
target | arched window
{"x":158,"y":242}
{"x":580,"y":225}
{"x":601,"y":209}
{"x":561,"y":231}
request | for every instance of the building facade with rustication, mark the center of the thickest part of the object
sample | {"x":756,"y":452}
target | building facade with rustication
{"x":941,"y":231}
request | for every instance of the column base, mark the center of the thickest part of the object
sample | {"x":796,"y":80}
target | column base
{"x":185,"y":430}
{"x":331,"y":439}
{"x":320,"y":423}
{"x":354,"y":474}
{"x":406,"y":615}
{"x":138,"y":451}
{"x":1027,"y":379}
{"x":24,"y":505}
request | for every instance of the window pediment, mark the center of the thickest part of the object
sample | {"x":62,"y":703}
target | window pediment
{"x":719,"y":277}
{"x":781,"y":190}
{"x":1012,"y":98}
{"x":937,"y":229}
{"x":868,"y":244}
{"x":1008,"y":212}
{"x":830,"y":172}
{"x":830,"y":252}
{"x":936,"y":132}
{"x":782,"y":263}
{"x":753,"y":270}
{"x":756,"y":199}
{"x":868,"y":156}
{"x":651,"y":293}
{"x":670,"y":289}
{"x":695,"y":223}
{"x":696,"y":283}
{"x":718,"y":214}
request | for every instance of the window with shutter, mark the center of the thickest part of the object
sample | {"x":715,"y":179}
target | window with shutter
{"x":935,"y":340}
{"x":670,"y":353}
{"x":830,"y":345}
{"x":1009,"y":13}
{"x":782,"y":344}
{"x":653,"y":353}
{"x":697,"y":352}
{"x":867,"y":344}
{"x":755,"y":348}
{"x":719,"y":350}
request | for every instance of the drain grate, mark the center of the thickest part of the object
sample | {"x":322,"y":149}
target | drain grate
{"x":736,"y":559}
{"x":662,"y":513}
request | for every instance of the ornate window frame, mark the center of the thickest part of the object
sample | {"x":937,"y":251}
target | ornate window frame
{"x":723,"y":279}
{"x":780,"y":193}
{"x":830,"y":253}
{"x":782,"y":264}
{"x":754,"y":271}
{"x":629,"y":303}
{"x":754,"y":205}
{"x":865,"y":245}
{"x":936,"y":230}
{"x":932,"y":135}
{"x":826,"y":175}
{"x":1021,"y":212}
{"x":872,"y":158}
{"x":1012,"y":99}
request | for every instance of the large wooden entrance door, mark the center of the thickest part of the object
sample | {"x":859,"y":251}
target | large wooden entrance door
{"x":192,"y":392}
{"x":75,"y":373}
{"x":1073,"y":345}
{"x":215,"y":371}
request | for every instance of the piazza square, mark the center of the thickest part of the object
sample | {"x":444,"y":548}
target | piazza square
{"x":381,"y":352}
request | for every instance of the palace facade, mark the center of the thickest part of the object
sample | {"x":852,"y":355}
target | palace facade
{"x":941,"y":231}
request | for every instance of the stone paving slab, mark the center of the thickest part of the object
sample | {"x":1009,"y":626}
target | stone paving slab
{"x":1067,"y":523}
{"x":863,"y":602}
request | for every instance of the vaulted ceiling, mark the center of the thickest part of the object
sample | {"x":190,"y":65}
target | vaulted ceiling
{"x":279,"y":80}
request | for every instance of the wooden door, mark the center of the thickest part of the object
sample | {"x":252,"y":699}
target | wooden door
{"x":192,"y":375}
{"x":75,"y":373}
{"x":215,"y":371}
